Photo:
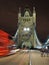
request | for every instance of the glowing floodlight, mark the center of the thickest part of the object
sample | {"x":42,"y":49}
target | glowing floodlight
{"x":26,"y":29}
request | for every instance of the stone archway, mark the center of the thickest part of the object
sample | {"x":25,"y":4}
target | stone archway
{"x":26,"y":44}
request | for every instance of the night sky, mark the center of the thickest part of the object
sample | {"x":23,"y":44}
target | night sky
{"x":9,"y":11}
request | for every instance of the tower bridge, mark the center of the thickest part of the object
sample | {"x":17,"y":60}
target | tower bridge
{"x":26,"y":33}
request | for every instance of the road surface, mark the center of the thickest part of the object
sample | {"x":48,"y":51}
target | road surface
{"x":23,"y":58}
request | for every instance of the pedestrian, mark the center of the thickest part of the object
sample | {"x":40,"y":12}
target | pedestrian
{"x":42,"y":52}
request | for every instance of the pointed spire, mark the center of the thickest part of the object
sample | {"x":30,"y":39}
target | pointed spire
{"x":19,"y":9}
{"x":34,"y":10}
{"x":34,"y":15}
{"x":19,"y":14}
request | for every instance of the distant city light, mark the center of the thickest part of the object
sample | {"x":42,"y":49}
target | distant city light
{"x":46,"y":47}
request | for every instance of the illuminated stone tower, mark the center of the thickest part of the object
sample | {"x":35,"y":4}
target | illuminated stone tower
{"x":26,"y":26}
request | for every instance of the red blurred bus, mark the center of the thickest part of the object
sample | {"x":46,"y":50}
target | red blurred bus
{"x":5,"y":43}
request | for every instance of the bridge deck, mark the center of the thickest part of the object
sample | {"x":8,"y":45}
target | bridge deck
{"x":22,"y":58}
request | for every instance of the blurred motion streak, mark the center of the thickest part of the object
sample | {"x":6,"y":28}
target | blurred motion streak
{"x":5,"y":42}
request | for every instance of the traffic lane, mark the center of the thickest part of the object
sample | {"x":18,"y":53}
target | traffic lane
{"x":8,"y":59}
{"x":16,"y":60}
{"x":38,"y":60}
{"x":25,"y":60}
{"x":20,"y":58}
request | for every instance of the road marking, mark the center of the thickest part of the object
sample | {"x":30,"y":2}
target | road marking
{"x":30,"y":58}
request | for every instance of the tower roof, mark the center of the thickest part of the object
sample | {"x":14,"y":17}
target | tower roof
{"x":26,"y":12}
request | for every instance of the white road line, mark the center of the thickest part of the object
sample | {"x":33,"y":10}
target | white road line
{"x":30,"y":58}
